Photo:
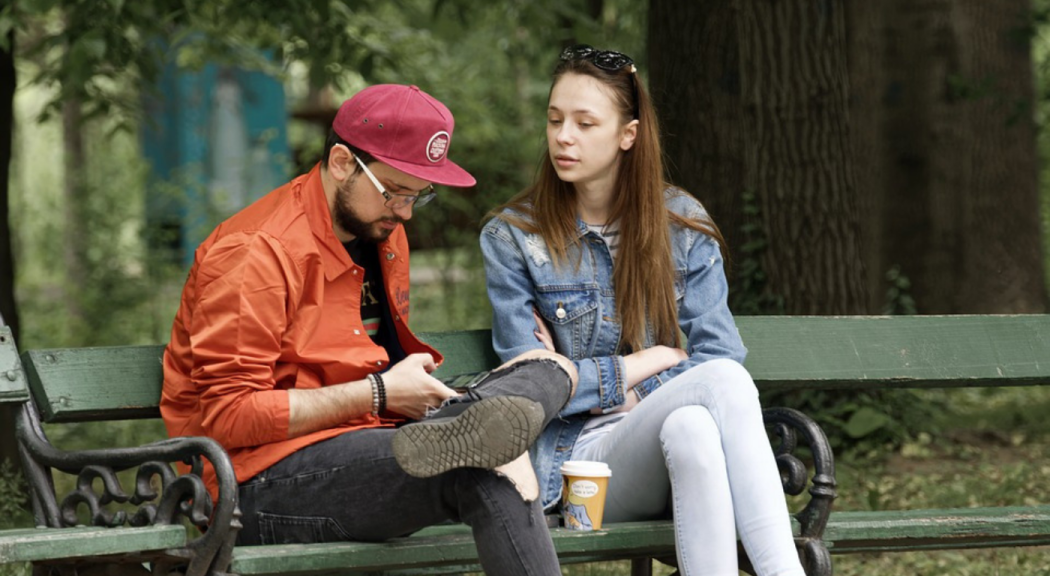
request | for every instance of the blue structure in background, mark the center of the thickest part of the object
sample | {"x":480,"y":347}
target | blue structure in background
{"x":217,"y":140}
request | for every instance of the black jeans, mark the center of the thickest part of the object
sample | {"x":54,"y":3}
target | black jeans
{"x":351,"y":488}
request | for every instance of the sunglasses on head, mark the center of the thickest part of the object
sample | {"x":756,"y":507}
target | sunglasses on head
{"x":604,"y":59}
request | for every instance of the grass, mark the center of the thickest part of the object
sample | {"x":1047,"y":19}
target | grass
{"x":992,"y":449}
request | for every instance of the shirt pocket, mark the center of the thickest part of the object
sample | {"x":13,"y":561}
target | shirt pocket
{"x":572,"y":316}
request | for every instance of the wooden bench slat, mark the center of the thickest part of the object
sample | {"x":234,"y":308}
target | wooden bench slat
{"x":788,"y":352}
{"x":461,"y":351}
{"x":847,"y":532}
{"x":109,"y":383}
{"x":897,"y":351}
{"x":33,"y":544}
{"x":444,"y":545}
{"x":895,"y":530}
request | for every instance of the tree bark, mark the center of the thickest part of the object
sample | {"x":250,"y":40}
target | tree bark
{"x":8,"y":309}
{"x":799,"y":156}
{"x":867,"y":88}
{"x":926,"y":134}
{"x":1001,"y":257}
{"x":8,"y":81}
{"x":694,"y":58}
{"x":961,"y":212}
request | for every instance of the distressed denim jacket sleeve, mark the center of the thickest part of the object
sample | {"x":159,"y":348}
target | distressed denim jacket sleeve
{"x":511,"y":289}
{"x":703,"y":311}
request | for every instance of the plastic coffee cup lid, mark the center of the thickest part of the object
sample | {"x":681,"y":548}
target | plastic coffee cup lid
{"x":586,"y":468}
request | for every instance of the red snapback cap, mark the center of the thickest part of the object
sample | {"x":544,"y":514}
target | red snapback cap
{"x":405,"y":128}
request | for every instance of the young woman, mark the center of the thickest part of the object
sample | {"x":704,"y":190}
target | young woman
{"x":602,"y":261}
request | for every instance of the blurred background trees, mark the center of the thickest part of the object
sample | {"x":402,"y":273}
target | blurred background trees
{"x":861,"y":158}
{"x":835,"y":143}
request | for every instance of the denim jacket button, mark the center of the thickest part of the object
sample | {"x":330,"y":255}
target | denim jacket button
{"x":560,"y":313}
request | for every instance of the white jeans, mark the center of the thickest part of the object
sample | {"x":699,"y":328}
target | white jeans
{"x":699,"y":439}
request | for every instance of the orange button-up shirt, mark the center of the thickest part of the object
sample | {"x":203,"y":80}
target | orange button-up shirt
{"x":273,"y":302}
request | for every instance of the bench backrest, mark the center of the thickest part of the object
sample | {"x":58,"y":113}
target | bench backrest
{"x":785,"y":352}
{"x":12,"y":377}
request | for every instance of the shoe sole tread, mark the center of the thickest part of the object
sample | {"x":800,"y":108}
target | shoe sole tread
{"x":490,"y":433}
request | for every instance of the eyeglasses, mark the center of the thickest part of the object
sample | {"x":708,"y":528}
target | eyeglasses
{"x":393,"y":199}
{"x":604,"y":59}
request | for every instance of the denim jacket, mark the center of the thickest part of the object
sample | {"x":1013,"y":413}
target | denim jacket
{"x":578,"y":305}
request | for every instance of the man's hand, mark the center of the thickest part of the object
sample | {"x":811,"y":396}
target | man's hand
{"x":410,"y":389}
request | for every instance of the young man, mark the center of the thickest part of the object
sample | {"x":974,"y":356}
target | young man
{"x":291,"y":347}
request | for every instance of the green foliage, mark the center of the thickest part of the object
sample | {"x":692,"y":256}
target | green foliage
{"x":106,"y":52}
{"x":750,"y":293}
{"x":858,"y":421}
{"x":489,"y":62}
{"x":17,"y":569}
{"x":14,"y":500}
{"x":899,"y":301}
{"x":13,"y":497}
{"x":119,"y":295}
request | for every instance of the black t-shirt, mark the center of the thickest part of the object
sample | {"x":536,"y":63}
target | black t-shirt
{"x":375,"y":313}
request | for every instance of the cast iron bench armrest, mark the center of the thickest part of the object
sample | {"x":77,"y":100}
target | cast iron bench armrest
{"x":180,"y":496}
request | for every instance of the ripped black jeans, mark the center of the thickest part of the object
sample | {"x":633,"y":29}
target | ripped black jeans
{"x":351,"y":488}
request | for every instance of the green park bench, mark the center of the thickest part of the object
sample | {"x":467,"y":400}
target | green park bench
{"x":786,"y":353}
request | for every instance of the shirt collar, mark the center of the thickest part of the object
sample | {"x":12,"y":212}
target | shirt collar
{"x":581,"y":227}
{"x":334,"y":257}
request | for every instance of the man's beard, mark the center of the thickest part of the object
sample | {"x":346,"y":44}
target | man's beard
{"x":346,"y":217}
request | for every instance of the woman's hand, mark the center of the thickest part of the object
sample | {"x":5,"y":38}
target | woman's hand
{"x":630,"y":401}
{"x":640,"y":366}
{"x":543,"y":334}
{"x":651,"y":361}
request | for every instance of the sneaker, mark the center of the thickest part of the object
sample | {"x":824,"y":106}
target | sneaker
{"x":485,"y":433}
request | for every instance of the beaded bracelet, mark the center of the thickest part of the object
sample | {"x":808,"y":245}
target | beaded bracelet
{"x":375,"y":394}
{"x":381,"y":387}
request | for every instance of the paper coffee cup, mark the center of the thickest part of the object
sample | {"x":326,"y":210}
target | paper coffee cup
{"x":583,"y":494}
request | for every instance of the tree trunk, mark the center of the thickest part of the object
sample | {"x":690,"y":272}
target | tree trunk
{"x":799,"y":155}
{"x":694,"y":58}
{"x":1001,"y":257}
{"x":74,"y":198}
{"x":867,"y":89}
{"x":8,"y":81}
{"x":961,"y":215}
{"x":8,"y":445}
{"x":926,"y":134}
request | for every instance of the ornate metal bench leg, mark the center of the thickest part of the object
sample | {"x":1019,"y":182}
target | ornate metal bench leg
{"x":642,"y":567}
{"x":789,"y":425}
{"x":817,"y":558}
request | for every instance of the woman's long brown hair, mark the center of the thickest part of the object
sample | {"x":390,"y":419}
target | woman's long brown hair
{"x":643,"y":273}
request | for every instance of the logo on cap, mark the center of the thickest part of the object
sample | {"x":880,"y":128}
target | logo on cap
{"x":437,"y":147}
